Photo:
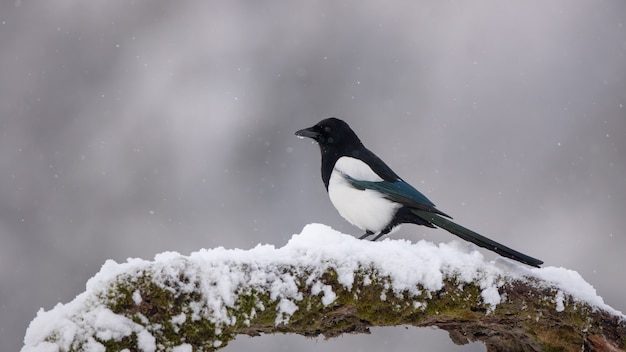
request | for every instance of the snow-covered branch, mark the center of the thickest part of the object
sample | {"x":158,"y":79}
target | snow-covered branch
{"x":326,"y":283}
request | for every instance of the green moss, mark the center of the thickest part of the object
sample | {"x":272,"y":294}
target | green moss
{"x":369,"y":302}
{"x":128,"y":342}
{"x":156,"y":311}
{"x":554,"y":331}
{"x":462,"y":305}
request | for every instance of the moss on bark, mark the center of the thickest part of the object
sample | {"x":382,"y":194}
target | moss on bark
{"x":526,"y":320}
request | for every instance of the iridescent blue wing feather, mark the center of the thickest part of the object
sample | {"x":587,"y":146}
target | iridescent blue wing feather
{"x":399,"y":192}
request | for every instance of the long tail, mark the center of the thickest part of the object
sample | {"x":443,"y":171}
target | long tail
{"x":475,"y":238}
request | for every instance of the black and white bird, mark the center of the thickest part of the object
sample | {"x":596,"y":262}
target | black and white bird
{"x":371,"y":196}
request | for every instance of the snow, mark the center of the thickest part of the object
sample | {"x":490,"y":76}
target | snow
{"x":573,"y":284}
{"x":560,"y":301}
{"x":146,"y":342}
{"x":183,"y":348}
{"x":137,"y":297}
{"x":219,"y":273}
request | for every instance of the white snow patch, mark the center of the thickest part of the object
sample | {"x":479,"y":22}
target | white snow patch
{"x":328,"y":297}
{"x":146,"y":342}
{"x":183,"y":348}
{"x":222,"y":274}
{"x":137,"y":297}
{"x":109,"y":325}
{"x":571,"y":283}
{"x":286,"y":308}
{"x":559,"y":299}
{"x":179,"y":319}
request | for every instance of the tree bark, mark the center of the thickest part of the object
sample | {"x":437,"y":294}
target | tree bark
{"x":325,"y":283}
{"x":526,"y":320}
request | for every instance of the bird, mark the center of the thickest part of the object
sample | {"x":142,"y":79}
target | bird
{"x":371,"y":196}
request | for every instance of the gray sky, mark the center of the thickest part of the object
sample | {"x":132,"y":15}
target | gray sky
{"x":133,"y":128}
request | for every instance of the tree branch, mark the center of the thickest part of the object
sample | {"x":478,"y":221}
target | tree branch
{"x":203,"y":301}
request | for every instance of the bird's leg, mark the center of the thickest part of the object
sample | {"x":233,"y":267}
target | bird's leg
{"x":382,"y":233}
{"x":367,"y":234}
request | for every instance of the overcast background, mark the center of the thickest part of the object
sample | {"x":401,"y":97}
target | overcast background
{"x":129,"y":128}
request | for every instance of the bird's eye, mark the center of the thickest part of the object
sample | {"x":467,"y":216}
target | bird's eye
{"x":327,"y":129}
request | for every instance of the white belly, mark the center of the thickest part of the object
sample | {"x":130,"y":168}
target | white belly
{"x":366,"y":209}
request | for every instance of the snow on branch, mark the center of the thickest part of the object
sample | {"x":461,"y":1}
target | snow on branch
{"x":325,"y":283}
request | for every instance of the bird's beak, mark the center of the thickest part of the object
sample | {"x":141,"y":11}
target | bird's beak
{"x":308,"y":132}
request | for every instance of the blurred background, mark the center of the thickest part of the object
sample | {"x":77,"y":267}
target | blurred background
{"x":129,"y":128}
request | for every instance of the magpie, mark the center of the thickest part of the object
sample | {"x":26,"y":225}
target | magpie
{"x":368,"y":194}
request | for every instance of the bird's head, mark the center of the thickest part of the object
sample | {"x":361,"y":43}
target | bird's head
{"x":331,"y":134}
